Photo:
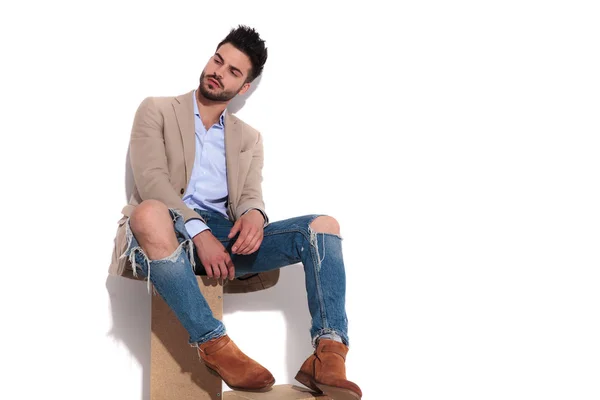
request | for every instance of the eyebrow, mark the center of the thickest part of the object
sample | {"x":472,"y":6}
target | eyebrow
{"x":230,"y":66}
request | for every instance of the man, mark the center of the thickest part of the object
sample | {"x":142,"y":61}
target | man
{"x":197,"y":208}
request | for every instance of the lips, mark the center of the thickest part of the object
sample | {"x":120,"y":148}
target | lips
{"x":214,"y":82}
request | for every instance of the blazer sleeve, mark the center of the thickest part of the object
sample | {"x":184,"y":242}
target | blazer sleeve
{"x":149,"y":160}
{"x":251,"y":196}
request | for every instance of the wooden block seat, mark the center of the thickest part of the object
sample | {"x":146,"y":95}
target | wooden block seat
{"x":176,"y":372}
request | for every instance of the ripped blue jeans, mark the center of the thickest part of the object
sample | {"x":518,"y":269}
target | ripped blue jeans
{"x":285,"y":242}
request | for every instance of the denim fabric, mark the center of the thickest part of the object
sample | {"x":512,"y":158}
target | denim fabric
{"x":285,"y":243}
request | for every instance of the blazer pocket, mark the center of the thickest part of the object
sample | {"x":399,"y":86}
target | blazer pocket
{"x":244,"y":162}
{"x":245,"y":157}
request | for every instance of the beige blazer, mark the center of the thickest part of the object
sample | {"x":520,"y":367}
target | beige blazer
{"x":162,"y":152}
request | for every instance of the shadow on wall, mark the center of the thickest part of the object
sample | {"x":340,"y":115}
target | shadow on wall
{"x":289,"y":297}
{"x":130,"y":301}
{"x":130,"y":308}
{"x":238,"y":102}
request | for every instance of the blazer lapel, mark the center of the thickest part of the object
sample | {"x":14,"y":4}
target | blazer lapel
{"x":184,"y":112}
{"x":233,"y":145}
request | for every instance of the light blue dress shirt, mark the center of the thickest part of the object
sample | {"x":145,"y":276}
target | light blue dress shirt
{"x":207,"y":189}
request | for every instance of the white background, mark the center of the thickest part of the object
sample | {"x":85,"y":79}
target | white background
{"x":456,"y":142}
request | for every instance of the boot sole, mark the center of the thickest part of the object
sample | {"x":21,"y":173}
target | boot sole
{"x":335,"y":393}
{"x":259,"y":390}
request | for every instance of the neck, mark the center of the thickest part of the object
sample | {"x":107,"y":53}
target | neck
{"x":210,"y":111}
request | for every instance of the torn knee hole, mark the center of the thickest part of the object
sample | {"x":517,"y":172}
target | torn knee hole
{"x":325,"y":224}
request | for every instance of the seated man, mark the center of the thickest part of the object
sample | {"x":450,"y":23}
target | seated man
{"x":197,"y":209}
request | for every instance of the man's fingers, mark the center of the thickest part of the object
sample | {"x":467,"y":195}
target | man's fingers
{"x":216,"y":271}
{"x":223,"y":269}
{"x":235,"y":228}
{"x":256,"y":246}
{"x":241,"y":240}
{"x":252,"y":246}
{"x":230,"y":267}
{"x":247,"y":244}
{"x":208,"y":270}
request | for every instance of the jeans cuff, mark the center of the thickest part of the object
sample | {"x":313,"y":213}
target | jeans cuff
{"x":216,"y":333}
{"x":326,"y":331}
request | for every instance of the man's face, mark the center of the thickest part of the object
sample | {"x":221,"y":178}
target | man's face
{"x":225,"y":74}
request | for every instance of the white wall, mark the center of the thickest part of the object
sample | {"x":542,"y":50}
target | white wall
{"x":456,"y":142}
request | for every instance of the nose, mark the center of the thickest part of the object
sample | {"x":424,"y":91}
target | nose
{"x":219,"y":72}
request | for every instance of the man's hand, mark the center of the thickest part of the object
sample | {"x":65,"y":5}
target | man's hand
{"x":214,"y":257}
{"x":250,"y":226}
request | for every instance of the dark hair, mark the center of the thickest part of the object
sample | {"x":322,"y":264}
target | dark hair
{"x":248,"y":41}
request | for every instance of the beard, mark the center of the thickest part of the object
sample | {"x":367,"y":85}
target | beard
{"x":220,"y":95}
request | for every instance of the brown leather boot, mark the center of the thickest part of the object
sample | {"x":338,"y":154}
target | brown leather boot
{"x":325,"y":372}
{"x":239,"y":371}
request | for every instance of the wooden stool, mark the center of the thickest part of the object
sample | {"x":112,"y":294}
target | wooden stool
{"x":176,"y":371}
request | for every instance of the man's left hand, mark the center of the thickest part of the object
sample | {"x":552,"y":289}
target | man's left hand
{"x":251,"y":228}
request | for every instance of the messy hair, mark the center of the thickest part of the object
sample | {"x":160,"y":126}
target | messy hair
{"x":248,"y":41}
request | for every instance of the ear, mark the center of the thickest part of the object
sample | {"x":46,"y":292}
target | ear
{"x":244,"y":88}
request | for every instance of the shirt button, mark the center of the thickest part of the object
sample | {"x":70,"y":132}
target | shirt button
{"x":182,"y":191}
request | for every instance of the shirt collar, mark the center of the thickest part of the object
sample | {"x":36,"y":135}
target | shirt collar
{"x":197,"y":112}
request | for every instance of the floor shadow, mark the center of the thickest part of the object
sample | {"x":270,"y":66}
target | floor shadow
{"x":289,"y":297}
